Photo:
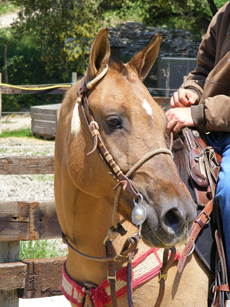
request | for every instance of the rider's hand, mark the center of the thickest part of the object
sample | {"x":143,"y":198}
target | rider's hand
{"x":183,"y":98}
{"x":178,"y":118}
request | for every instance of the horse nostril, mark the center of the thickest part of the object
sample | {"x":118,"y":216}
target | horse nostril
{"x":173,"y":220}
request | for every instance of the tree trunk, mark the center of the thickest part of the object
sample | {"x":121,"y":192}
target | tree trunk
{"x":213,"y":7}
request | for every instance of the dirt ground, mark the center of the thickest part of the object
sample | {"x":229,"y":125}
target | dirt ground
{"x":56,"y":301}
{"x":7,"y":19}
{"x":14,"y":122}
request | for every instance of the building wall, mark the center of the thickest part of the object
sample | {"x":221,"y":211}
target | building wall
{"x":131,"y":37}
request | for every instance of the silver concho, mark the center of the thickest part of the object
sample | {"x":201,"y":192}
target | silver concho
{"x":139,"y":212}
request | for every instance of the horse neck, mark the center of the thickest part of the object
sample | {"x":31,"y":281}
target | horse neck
{"x":91,"y":222}
{"x":89,"y":231}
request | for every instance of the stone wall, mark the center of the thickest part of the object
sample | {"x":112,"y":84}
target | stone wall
{"x":131,"y":37}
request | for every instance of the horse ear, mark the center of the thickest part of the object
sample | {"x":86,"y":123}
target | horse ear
{"x":99,"y":55}
{"x":144,"y":60}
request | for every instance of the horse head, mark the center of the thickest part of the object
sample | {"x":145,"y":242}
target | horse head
{"x":108,"y":124}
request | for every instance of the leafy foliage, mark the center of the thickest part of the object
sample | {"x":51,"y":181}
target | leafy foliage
{"x":62,"y":31}
{"x":190,"y":15}
{"x":49,"y":41}
{"x":52,"y":38}
{"x":6,"y":7}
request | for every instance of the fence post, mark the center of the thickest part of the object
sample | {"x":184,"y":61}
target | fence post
{"x":167,"y":76}
{"x":9,"y":252}
{"x":0,"y":104}
{"x":74,"y":78}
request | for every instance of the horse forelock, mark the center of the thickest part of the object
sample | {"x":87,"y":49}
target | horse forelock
{"x":116,"y":64}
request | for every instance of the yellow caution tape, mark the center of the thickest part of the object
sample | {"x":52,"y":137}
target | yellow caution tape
{"x":36,"y":88}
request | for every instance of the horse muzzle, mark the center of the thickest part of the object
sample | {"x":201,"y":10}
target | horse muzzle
{"x":169,"y":227}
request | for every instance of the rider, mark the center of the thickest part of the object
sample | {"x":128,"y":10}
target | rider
{"x":203,"y":101}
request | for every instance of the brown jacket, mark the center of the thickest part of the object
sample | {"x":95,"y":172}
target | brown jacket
{"x":211,"y":77}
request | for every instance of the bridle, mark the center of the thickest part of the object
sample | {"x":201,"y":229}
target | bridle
{"x":123,"y":182}
{"x":122,"y":179}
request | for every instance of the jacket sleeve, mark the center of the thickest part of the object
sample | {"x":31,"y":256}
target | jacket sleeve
{"x":211,"y":78}
{"x":213,"y":115}
{"x":205,"y":61}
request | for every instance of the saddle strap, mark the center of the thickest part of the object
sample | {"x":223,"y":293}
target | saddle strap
{"x":202,"y":219}
{"x":221,"y":287}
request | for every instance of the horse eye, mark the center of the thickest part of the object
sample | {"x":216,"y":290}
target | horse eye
{"x":114,"y":122}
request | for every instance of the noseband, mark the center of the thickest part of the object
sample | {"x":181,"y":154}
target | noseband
{"x":123,"y":182}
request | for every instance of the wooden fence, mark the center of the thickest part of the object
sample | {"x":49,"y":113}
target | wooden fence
{"x":21,"y":221}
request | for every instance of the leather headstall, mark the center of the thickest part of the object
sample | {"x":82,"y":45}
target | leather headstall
{"x":99,"y":144}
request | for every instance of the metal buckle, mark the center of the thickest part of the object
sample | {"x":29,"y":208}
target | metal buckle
{"x":109,"y":277}
{"x":192,"y":250}
{"x":164,"y":276}
{"x":207,"y":217}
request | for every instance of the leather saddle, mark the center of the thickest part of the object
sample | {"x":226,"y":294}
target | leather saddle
{"x":203,"y":165}
{"x":199,"y":165}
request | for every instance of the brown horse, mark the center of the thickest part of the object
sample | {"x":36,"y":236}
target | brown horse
{"x":112,"y":107}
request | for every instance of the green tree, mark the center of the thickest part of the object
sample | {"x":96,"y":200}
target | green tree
{"x":62,"y":30}
{"x":192,"y":15}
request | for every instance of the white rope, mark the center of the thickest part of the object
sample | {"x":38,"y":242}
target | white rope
{"x":91,"y":83}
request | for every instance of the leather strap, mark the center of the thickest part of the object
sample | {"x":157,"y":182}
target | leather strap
{"x":99,"y":144}
{"x":111,"y":273}
{"x":221,"y":256}
{"x":202,"y":219}
{"x":128,"y":250}
{"x":203,"y":166}
{"x":221,"y":287}
{"x":166,"y":265}
{"x":224,"y":287}
{"x":130,"y":281}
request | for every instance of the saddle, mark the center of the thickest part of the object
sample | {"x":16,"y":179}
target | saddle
{"x":202,"y":164}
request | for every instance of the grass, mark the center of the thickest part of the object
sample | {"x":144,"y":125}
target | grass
{"x":23,"y":132}
{"x":46,"y":177}
{"x":7,"y":7}
{"x":41,"y":249}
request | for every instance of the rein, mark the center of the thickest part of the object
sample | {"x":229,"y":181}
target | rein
{"x":139,"y":212}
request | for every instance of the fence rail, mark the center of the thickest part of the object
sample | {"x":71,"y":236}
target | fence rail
{"x":25,"y":221}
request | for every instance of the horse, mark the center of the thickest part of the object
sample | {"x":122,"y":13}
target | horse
{"x":114,"y":170}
